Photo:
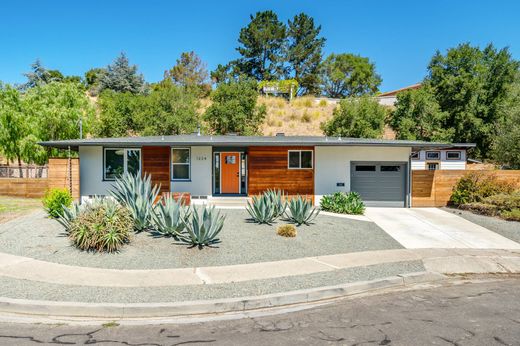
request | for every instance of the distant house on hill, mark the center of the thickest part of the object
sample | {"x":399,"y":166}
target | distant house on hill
{"x":389,"y":98}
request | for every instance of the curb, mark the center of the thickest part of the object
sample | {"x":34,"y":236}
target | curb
{"x":74,"y":311}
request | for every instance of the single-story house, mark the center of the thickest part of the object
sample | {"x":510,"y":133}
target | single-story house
{"x":220,"y":166}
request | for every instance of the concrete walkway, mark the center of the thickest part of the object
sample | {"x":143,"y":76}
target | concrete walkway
{"x":436,"y":260}
{"x":418,"y":228}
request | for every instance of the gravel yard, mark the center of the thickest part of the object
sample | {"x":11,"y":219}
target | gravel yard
{"x":24,"y":289}
{"x":38,"y":237}
{"x":508,"y":229}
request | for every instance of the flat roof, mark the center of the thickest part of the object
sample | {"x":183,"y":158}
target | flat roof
{"x":231,"y":140}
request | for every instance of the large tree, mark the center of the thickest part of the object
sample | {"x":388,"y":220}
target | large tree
{"x":345,"y":75}
{"x":417,"y":116}
{"x":360,"y":117}
{"x":190,"y":72}
{"x":471,"y":84}
{"x":304,"y":52}
{"x":120,"y":76}
{"x":234,"y":109}
{"x":116,"y":114}
{"x":262,"y":46}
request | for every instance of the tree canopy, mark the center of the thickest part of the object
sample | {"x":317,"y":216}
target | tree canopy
{"x":190,"y":72}
{"x":234,"y":109}
{"x":361,"y":117}
{"x":346,"y":75}
{"x":120,"y":76}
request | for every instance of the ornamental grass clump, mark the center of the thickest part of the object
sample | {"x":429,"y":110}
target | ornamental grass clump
{"x":343,"y":203}
{"x":103,"y":226}
{"x":202,"y":227}
{"x":300,"y":211}
{"x":169,"y":217}
{"x":138,"y":196}
{"x":286,"y":231}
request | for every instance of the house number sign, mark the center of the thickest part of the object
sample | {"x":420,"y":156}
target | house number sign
{"x":201,"y":158}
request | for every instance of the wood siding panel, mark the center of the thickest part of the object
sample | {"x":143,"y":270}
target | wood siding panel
{"x":267,"y":168}
{"x":156,"y":161}
{"x":434,"y":188}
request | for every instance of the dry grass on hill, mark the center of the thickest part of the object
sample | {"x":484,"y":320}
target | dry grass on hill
{"x":302,"y":116}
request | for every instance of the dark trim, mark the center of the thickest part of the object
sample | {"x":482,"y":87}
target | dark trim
{"x":454,"y":151}
{"x":432,"y":151}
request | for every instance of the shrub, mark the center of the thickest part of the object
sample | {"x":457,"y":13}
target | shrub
{"x":504,"y":201}
{"x":137,"y":194}
{"x":323,"y":103}
{"x":511,"y":215}
{"x":261,"y":209}
{"x":474,"y":187}
{"x":102,"y":226}
{"x":343,"y":203}
{"x":481,"y":208}
{"x":287,"y":231}
{"x":301,"y":211}
{"x":55,"y":200}
{"x":202,"y":229}
{"x":169,"y":217}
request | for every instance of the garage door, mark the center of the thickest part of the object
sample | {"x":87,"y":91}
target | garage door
{"x":381,"y":184}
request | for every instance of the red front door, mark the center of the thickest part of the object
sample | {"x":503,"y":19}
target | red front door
{"x":230,"y":163}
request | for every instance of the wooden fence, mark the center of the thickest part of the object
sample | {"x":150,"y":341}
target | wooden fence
{"x":434,"y":188}
{"x":58,"y":177}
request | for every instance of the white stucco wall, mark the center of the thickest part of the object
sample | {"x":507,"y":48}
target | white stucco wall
{"x":444,"y":163}
{"x":332,"y":164}
{"x":91,"y":172}
{"x":201,"y":177}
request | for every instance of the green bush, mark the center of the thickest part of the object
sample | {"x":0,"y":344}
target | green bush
{"x":511,"y":215}
{"x":301,"y":211}
{"x":202,"y":229}
{"x":343,"y":203}
{"x":504,"y":201}
{"x":138,"y":196}
{"x":474,"y":187}
{"x":104,"y":225}
{"x":55,"y":201}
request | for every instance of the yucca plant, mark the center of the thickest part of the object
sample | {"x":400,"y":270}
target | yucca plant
{"x":137,"y":194}
{"x":278,"y":202}
{"x":169,"y":216}
{"x":261,"y":209}
{"x":202,"y":229}
{"x":301,"y":211}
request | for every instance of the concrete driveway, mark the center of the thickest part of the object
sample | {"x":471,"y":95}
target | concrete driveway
{"x":434,"y":228}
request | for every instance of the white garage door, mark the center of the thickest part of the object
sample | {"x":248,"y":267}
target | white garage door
{"x":381,"y":184}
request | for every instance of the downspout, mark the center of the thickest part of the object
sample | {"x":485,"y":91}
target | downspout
{"x":409,"y":181}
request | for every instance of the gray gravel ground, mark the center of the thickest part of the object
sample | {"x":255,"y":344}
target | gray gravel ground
{"x":38,"y":237}
{"x":508,"y":229}
{"x":25,"y":289}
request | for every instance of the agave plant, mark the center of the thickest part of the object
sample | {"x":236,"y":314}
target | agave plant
{"x":301,"y":211}
{"x":277,"y":199}
{"x":169,"y":216}
{"x":137,"y":194}
{"x":69,"y":214}
{"x":261,"y":209}
{"x":203,"y":228}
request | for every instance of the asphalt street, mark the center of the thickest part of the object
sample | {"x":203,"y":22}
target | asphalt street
{"x":473,"y":313}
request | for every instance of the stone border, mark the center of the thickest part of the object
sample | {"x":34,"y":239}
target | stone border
{"x":50,"y":311}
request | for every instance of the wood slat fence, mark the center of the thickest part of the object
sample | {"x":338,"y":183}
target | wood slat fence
{"x":57,"y":177}
{"x":434,"y":188}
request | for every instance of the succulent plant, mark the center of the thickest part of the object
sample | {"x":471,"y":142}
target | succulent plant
{"x":137,"y":194}
{"x":278,"y":202}
{"x":261,"y":209}
{"x":301,"y":211}
{"x":202,"y":228}
{"x":169,"y":216}
{"x":67,"y":215}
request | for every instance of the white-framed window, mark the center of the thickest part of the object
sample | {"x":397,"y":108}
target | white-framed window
{"x":299,"y":159}
{"x":453,"y":155}
{"x":432,"y":166}
{"x":117,"y":161}
{"x":415,"y":155}
{"x":181,"y":159}
{"x":433,"y":155}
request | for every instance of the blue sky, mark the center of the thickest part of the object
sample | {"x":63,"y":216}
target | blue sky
{"x":399,"y":36}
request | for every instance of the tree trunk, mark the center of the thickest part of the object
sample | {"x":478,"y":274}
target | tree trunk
{"x":20,"y":167}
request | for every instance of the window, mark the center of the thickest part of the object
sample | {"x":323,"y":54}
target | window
{"x":390,"y":168}
{"x":433,"y":155}
{"x":300,"y":159}
{"x":364,"y":168}
{"x":453,"y":155}
{"x":181,"y":163}
{"x":119,"y":161}
{"x":415,"y":155}
{"x":432,"y":166}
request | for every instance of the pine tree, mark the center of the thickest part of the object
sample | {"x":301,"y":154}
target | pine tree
{"x":120,"y":76}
